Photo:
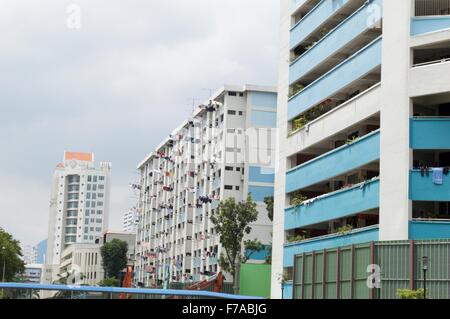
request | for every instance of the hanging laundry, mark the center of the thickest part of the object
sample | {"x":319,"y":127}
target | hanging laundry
{"x":438,"y":178}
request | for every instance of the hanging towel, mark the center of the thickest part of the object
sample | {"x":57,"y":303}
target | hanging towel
{"x":438,"y":176}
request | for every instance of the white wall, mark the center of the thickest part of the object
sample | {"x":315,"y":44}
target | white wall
{"x":279,"y":204}
{"x":395,"y":207}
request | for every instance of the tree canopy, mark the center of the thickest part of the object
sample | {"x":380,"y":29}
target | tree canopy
{"x":10,"y":256}
{"x":114,"y":257}
{"x":232,"y":223}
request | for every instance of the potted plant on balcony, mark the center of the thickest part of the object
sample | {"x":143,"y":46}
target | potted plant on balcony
{"x":344,"y":230}
{"x":296,"y":238}
{"x":298,"y":200}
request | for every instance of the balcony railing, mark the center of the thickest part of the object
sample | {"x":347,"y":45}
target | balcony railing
{"x":340,"y":36}
{"x":314,"y":19}
{"x":426,"y":230}
{"x":422,"y":25}
{"x":422,"y":187}
{"x":343,"y":159}
{"x":359,"y":198}
{"x":428,"y":133}
{"x":341,"y":76}
{"x":357,"y":236}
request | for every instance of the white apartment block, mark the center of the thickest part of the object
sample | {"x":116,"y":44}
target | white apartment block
{"x":130,"y":222}
{"x":226,"y":149}
{"x":363,"y":116}
{"x":82,"y":264}
{"x":79,"y":206}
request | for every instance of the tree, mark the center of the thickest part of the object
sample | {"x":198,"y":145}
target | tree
{"x":232,"y":223}
{"x":10,"y":252}
{"x":251,"y":247}
{"x":114,"y":257}
{"x":109,"y":282}
{"x":269,"y":207}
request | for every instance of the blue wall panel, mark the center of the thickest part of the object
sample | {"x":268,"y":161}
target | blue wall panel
{"x":264,"y":99}
{"x":422,"y":188}
{"x":263,"y":119}
{"x":421,"y":25}
{"x":430,"y":133}
{"x":419,"y":230}
{"x":260,"y":192}
{"x":338,"y":205}
{"x":356,"y":237}
{"x":259,"y":174}
{"x":334,"y":163}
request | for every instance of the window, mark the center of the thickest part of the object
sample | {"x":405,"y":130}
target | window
{"x":99,"y":212}
{"x":88,"y":204}
{"x":88,"y":187}
{"x":241,"y":94}
{"x":88,"y":195}
{"x":89,"y":179}
{"x":228,"y":187}
{"x":99,"y":203}
{"x":94,"y":188}
{"x":100,"y":195}
{"x":94,"y":196}
{"x":101,"y":187}
{"x":95,"y":179}
{"x":101,"y":178}
{"x":228,"y":168}
{"x":241,"y":113}
{"x":237,"y":188}
{"x":232,"y":93}
{"x":238,"y":169}
{"x":231,"y":112}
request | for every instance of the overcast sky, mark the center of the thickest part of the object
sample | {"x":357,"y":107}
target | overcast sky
{"x":116,"y":86}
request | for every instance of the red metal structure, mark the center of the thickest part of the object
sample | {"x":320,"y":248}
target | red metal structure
{"x":216,"y":280}
{"x":127,"y":282}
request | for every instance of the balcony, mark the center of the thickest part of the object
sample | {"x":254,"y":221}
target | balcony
{"x":314,"y":19}
{"x":423,"y":25}
{"x":335,"y":205}
{"x":356,"y":236}
{"x":363,"y":151}
{"x":427,"y":230}
{"x":422,"y":188}
{"x":429,"y":133}
{"x":287,"y":290}
{"x":196,"y":262}
{"x":355,"y":68}
{"x":336,"y":45}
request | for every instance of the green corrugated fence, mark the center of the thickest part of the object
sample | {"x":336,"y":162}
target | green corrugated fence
{"x":343,"y":273}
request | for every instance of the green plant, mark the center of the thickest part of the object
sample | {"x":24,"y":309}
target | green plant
{"x":351,"y":140}
{"x":114,"y":257}
{"x":232,"y":222}
{"x":296,"y":88}
{"x":298,"y":200}
{"x":345,"y":229}
{"x":295,"y":238}
{"x":410,"y":294}
{"x":109,"y":282}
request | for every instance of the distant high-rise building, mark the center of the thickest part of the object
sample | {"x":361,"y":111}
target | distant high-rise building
{"x":130,"y":222}
{"x":79,"y":206}
{"x":35,"y":254}
{"x":29,"y":254}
